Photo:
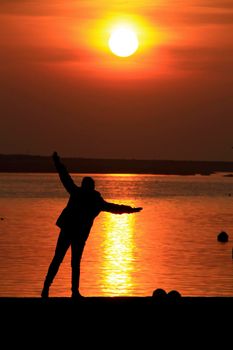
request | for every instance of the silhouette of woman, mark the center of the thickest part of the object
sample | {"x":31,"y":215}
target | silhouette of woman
{"x":75,"y":222}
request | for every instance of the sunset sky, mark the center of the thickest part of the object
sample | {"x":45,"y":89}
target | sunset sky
{"x":61,"y":88}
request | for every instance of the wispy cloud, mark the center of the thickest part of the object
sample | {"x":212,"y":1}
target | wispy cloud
{"x":39,"y":54}
{"x":194,"y":12}
{"x":219,"y":4}
{"x":208,"y":59}
{"x":33,"y":7}
{"x":190,"y":15}
{"x":206,"y":17}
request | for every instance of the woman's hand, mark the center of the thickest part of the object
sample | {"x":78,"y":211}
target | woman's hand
{"x":55,"y":156}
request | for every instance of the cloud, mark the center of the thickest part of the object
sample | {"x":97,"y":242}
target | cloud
{"x":31,"y":8}
{"x":191,"y":16}
{"x":219,"y":4}
{"x":19,"y":55}
{"x":208,"y":59}
{"x":206,"y":18}
{"x":193,"y":12}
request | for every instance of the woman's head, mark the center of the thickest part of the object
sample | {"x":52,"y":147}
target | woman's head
{"x":88,"y":183}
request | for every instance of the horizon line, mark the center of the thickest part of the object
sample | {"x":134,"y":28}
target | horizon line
{"x":109,"y":158}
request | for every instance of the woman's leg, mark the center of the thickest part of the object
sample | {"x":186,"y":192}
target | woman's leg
{"x":77,"y":247}
{"x":63,"y":244}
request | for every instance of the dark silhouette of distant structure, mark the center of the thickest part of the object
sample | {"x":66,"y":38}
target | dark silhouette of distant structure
{"x":75,"y":222}
{"x":35,"y":163}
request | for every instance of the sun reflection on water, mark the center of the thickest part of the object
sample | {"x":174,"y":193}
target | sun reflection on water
{"x":118,"y":254}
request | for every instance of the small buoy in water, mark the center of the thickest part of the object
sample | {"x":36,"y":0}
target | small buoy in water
{"x":223,"y":237}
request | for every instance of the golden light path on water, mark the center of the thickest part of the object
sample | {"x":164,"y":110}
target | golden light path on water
{"x":118,"y":254}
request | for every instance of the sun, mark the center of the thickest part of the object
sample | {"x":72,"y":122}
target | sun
{"x":123,"y":41}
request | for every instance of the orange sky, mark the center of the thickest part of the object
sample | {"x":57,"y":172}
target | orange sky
{"x":61,"y":87}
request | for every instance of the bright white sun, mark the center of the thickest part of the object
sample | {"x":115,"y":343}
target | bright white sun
{"x":123,"y":42}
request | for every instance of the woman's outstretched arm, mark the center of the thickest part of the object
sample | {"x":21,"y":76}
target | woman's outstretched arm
{"x":64,"y":175}
{"x":119,"y":208}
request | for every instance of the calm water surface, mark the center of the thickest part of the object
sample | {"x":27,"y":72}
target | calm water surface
{"x":171,"y":244}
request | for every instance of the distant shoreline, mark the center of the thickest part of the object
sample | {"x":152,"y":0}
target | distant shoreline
{"x":44,"y":164}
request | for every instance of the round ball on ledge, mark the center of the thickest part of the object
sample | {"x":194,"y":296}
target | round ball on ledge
{"x":174,"y":294}
{"x":159,"y":293}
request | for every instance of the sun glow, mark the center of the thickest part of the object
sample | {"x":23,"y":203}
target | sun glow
{"x":118,"y":250}
{"x":120,"y":46}
{"x":123,"y":41}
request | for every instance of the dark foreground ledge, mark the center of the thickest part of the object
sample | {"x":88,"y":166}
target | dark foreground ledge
{"x":93,"y":320}
{"x":129,"y":306}
{"x":115,"y":302}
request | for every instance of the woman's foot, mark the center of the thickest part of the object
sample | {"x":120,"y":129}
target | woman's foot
{"x":76,"y":295}
{"x":45,"y":293}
